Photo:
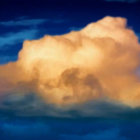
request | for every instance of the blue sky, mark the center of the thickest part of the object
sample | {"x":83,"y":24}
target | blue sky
{"x":32,"y":19}
{"x":21,"y":19}
{"x":69,"y":129}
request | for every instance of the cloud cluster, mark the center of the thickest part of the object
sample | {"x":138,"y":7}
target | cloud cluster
{"x":97,"y":62}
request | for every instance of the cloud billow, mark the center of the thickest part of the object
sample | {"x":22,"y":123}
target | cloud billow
{"x":93,"y":69}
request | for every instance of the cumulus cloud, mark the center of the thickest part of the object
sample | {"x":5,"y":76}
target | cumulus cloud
{"x":95,"y":63}
{"x":11,"y":43}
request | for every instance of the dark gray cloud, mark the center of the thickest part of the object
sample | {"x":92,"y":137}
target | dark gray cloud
{"x":33,"y":106}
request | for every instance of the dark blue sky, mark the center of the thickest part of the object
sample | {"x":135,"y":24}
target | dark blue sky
{"x":32,"y":19}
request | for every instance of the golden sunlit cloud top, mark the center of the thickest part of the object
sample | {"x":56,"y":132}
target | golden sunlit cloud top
{"x":98,"y":62}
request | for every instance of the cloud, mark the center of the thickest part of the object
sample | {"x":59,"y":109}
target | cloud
{"x":24,"y":129}
{"x":11,"y":43}
{"x":7,"y":58}
{"x":75,"y":28}
{"x":16,"y":37}
{"x":93,"y":64}
{"x":29,"y":22}
{"x":111,"y":134}
{"x":31,"y":106}
{"x":57,"y":129}
{"x":128,"y":1}
{"x":23,"y":22}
